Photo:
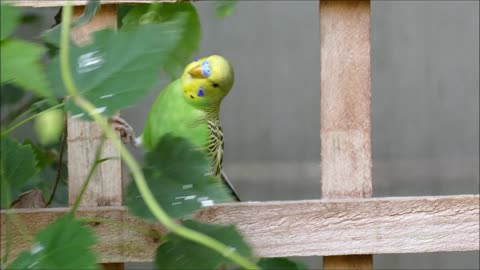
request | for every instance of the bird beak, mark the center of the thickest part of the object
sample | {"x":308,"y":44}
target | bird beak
{"x":196,"y":71}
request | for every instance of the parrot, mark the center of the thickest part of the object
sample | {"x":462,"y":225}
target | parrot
{"x":189,"y":107}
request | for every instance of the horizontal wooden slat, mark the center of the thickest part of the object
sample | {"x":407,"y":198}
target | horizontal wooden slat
{"x":58,"y":3}
{"x":297,"y":228}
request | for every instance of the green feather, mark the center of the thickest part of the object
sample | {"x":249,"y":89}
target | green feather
{"x":171,"y":113}
{"x":189,"y":108}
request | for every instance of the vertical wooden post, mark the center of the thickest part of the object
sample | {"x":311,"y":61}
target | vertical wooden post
{"x":105,"y":188}
{"x":345,"y":109}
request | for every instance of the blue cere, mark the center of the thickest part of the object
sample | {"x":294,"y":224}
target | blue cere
{"x":206,"y":69}
{"x":195,"y":60}
{"x":201,"y":93}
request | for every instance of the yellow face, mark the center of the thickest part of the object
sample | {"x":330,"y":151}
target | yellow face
{"x":207,"y":81}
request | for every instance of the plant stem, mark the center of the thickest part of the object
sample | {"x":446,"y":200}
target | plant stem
{"x":59,"y":164}
{"x":98,"y":152}
{"x":137,"y":173}
{"x":10,"y":129}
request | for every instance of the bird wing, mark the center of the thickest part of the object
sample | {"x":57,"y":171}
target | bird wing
{"x":215,"y":146}
{"x":215,"y":152}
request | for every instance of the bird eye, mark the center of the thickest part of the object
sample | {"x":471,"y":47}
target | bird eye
{"x":215,"y":85}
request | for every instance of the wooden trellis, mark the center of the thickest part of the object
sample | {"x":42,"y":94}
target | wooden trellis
{"x":345,"y":225}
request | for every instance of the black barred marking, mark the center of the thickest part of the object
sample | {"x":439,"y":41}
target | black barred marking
{"x":215,"y":146}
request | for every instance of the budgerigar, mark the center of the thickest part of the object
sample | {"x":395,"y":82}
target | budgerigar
{"x":189,"y":108}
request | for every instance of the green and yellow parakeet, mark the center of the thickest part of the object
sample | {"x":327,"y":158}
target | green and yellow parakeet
{"x":189,"y":108}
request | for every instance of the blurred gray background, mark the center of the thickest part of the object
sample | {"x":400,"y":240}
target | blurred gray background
{"x":425,"y":104}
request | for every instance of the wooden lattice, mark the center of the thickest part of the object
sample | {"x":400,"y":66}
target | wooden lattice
{"x":342,"y":224}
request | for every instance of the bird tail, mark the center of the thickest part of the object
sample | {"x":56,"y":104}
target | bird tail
{"x":229,"y":185}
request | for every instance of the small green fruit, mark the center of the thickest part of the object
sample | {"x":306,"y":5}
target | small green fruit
{"x":48,"y":126}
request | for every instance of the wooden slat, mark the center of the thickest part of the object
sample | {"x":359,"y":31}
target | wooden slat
{"x":105,"y":187}
{"x":345,"y":109}
{"x":115,"y":243}
{"x":345,"y":99}
{"x":58,"y":3}
{"x":298,"y":228}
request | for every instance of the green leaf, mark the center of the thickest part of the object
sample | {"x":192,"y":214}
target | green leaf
{"x":90,"y":10}
{"x":44,"y":157}
{"x":10,"y":94}
{"x":17,"y":166}
{"x":175,"y":173}
{"x":122,"y":11}
{"x":179,"y":253}
{"x":51,"y":37}
{"x":119,"y":68}
{"x":224,"y":8}
{"x":64,"y":244}
{"x":166,"y":12}
{"x":280,"y":263}
{"x":21,"y":66}
{"x":9,"y":18}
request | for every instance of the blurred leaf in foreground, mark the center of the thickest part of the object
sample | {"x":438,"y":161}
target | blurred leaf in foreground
{"x":20,"y":60}
{"x":119,"y":68}
{"x":179,"y":253}
{"x":17,"y":166}
{"x":160,"y":13}
{"x":224,"y":8}
{"x":64,"y":244}
{"x":175,"y":173}
{"x":9,"y":18}
{"x":21,"y":66}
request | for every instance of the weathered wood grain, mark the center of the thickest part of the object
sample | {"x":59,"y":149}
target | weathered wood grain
{"x":58,"y":3}
{"x":345,"y":99}
{"x":296,"y":228}
{"x":105,"y":187}
{"x":115,"y":243}
{"x":345,"y":109}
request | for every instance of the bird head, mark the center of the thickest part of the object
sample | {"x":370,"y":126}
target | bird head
{"x":207,"y":81}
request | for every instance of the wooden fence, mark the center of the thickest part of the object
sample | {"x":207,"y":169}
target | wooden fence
{"x":345,"y":226}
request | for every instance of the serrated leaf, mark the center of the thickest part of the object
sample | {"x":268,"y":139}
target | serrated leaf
{"x":175,"y":173}
{"x":224,"y":8}
{"x":17,"y":166}
{"x":21,"y":66}
{"x":280,"y":264}
{"x":9,"y":18}
{"x":119,"y":68}
{"x":165,"y":12}
{"x":179,"y":253}
{"x":44,"y":158}
{"x":64,"y":244}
